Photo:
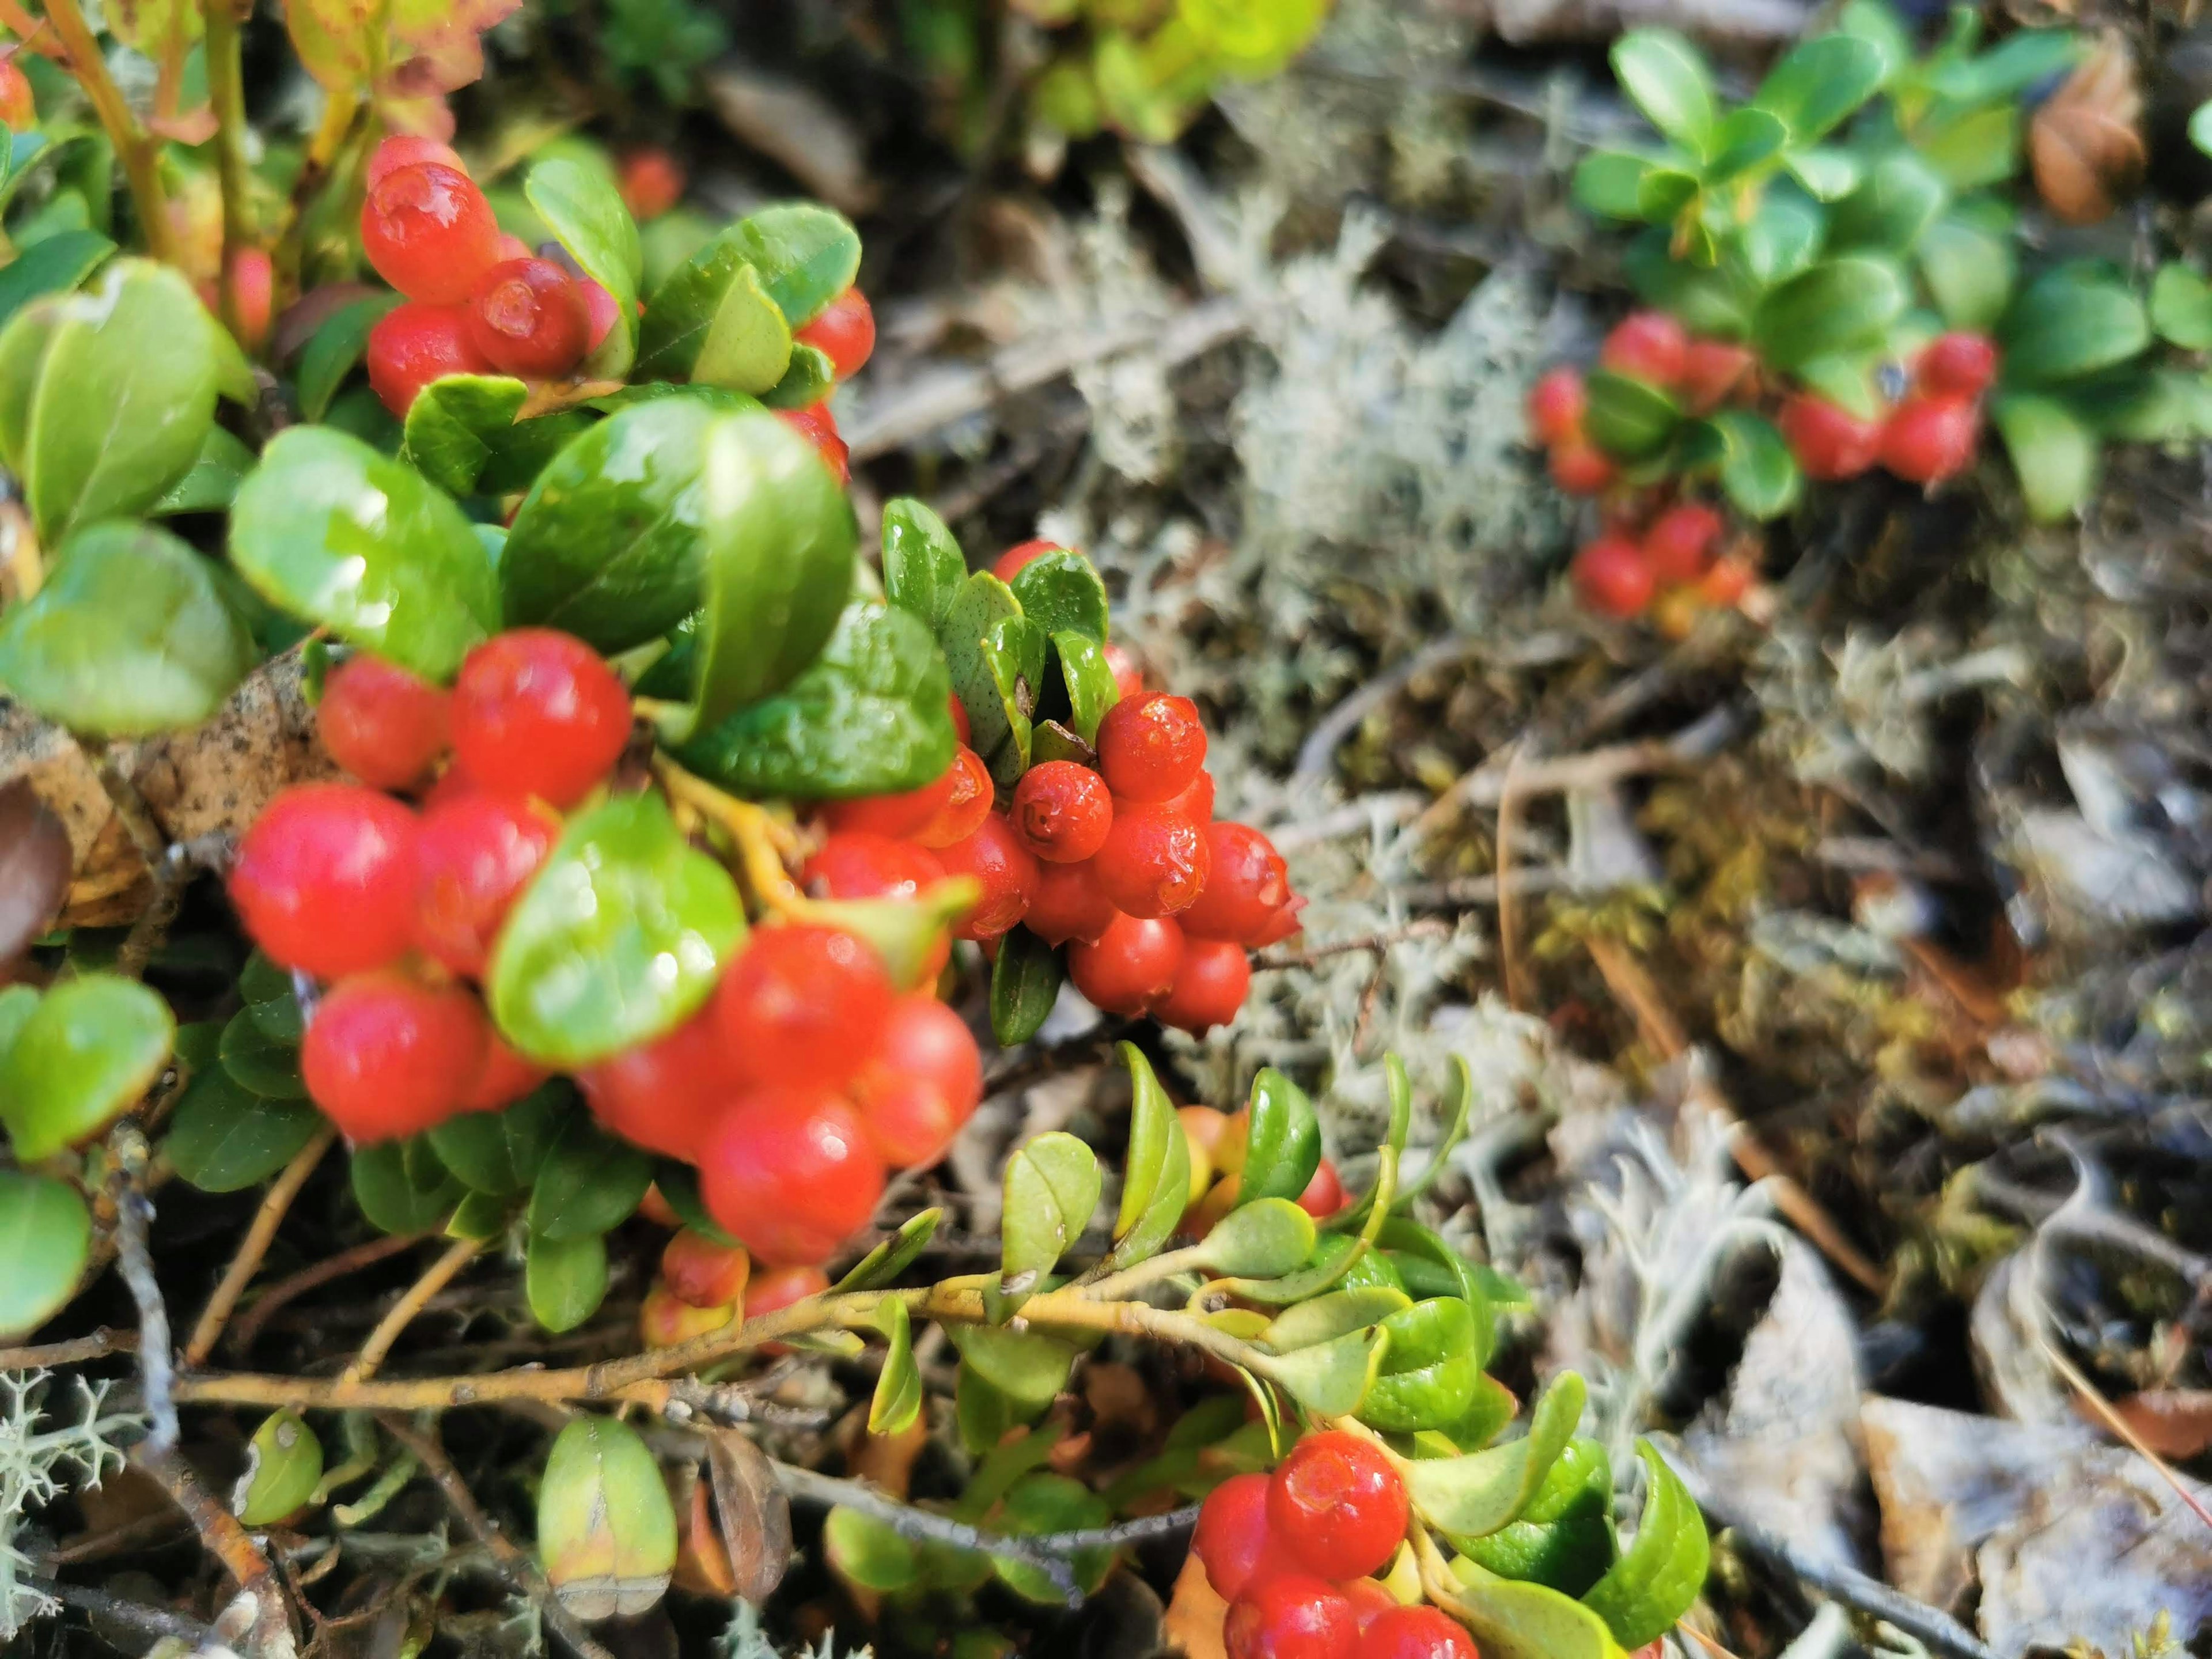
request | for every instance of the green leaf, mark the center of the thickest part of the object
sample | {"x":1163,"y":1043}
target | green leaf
{"x":1012,"y":653}
{"x":998,"y":730}
{"x":1430,"y":1266}
{"x":125,"y":393}
{"x":582,"y":207}
{"x":1564,"y":1540}
{"x":46,"y":1239}
{"x":909,"y":934}
{"x":1511,"y":1620}
{"x":618,"y":939}
{"x":283,"y":1466}
{"x":402,"y":1188}
{"x":54,"y":264}
{"x":1745,"y":141}
{"x":1653,"y":1585}
{"x":479,"y":1216}
{"x":1610,"y":183}
{"x":589,"y":1182}
{"x":328,"y":530}
{"x":1706,"y":301}
{"x":609,"y":543}
{"x":896,"y":1402}
{"x":747,"y":345}
{"x":565,"y":1279}
{"x":810,"y":380}
{"x":1821,"y":83}
{"x":1261,"y":1238}
{"x":500,"y":1152}
{"x":132,"y":633}
{"x":1046,"y":1503}
{"x":1474,"y":1495}
{"x":225,"y":1138}
{"x":1758,"y":471}
{"x":923,"y":569}
{"x":1327,"y":1316}
{"x":212,"y":482}
{"x":1836,"y":306}
{"x":1667,"y":78}
{"x":1282,"y":1147}
{"x":1899,"y":198}
{"x":806,"y":255}
{"x":453,"y":424}
{"x":1664,"y":195}
{"x":1969,"y":267}
{"x":1027,"y":1366}
{"x":894,"y":1255}
{"x":1025,"y":984}
{"x":867,"y":1553}
{"x":2181,"y":307}
{"x":1053,"y":1185}
{"x":1627,"y":418}
{"x":1782,"y":237}
{"x":335,"y":350}
{"x":869,"y":718}
{"x":1428,"y":1379}
{"x":2070,"y":322}
{"x":91,"y":1047}
{"x":1089,"y":679}
{"x":1329,"y":1379}
{"x":2006,"y":69}
{"x":679,"y":1187}
{"x":2054,"y":454}
{"x":2200,"y":127}
{"x":712,"y":320}
{"x":269,"y":1066}
{"x":1060,"y":593}
{"x":1827,"y":175}
{"x":606,"y":1530}
{"x":1155,"y":1172}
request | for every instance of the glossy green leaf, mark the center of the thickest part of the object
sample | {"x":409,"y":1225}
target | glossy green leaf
{"x":909,"y":934}
{"x":269,"y":1066}
{"x":1652,"y":1585}
{"x":1972,"y":149}
{"x":565,"y":1279}
{"x":329,"y":531}
{"x":125,"y":394}
{"x":998,"y":730}
{"x":1827,"y":175}
{"x":2054,"y":454}
{"x":1511,"y":1621}
{"x":606,"y":1530}
{"x":2070,"y":322}
{"x":1261,"y":1238}
{"x":1610,"y":183}
{"x":865,"y":1552}
{"x":23,"y":344}
{"x":2200,"y":127}
{"x":1429,"y":1267}
{"x":210,"y":483}
{"x":1627,"y":418}
{"x":283,"y":1466}
{"x":1564,"y":1539}
{"x":1089,"y":679}
{"x":747,"y":345}
{"x":1667,"y":79}
{"x":1782,"y":237}
{"x":1282,"y":1147}
{"x":479,"y":1216}
{"x":1744,"y":143}
{"x":453,"y":424}
{"x":1053,"y":1185}
{"x":46,"y":1239}
{"x":807,"y":255}
{"x":609,"y":543}
{"x":1847,"y":379}
{"x":500,"y":1152}
{"x":808,"y":381}
{"x":1821,"y":83}
{"x":1428,"y":1378}
{"x":335,"y":350}
{"x":17,"y":1004}
{"x":1060,"y":593}
{"x":1758,"y":471}
{"x":402,"y":1188}
{"x":1474,"y":1495}
{"x":1025,"y":983}
{"x":1046,"y":1503}
{"x":90,"y":1049}
{"x":1332,"y":1315}
{"x":132,"y":633}
{"x":1013,"y":653}
{"x":1898,"y":199}
{"x":225,"y":1138}
{"x":618,"y":939}
{"x":1329,"y":1379}
{"x":896,"y":1402}
{"x":582,"y":207}
{"x":54,"y":264}
{"x":869,"y":718}
{"x":1028,"y":1367}
{"x":1969,"y":268}
{"x":1837,"y":305}
{"x":588,"y":1183}
{"x":2181,"y":307}
{"x":884,"y":1264}
{"x":1156,"y":1171}
{"x":923,"y":569}
{"x":712,"y":320}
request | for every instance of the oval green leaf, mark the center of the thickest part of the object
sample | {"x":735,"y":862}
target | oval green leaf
{"x":91,"y":1047}
{"x":1283,"y":1145}
{"x":2055,"y":455}
{"x":582,"y":207}
{"x":1627,"y":418}
{"x":454,"y":423}
{"x":565,"y":1279}
{"x":588,"y":1183}
{"x":1667,"y":79}
{"x":1156,"y":1173}
{"x":1652,"y":1585}
{"x":225,"y":1138}
{"x":1261,"y":1238}
{"x":1820,"y":84}
{"x":268,"y":1066}
{"x":46,"y":1237}
{"x":606,"y":1530}
{"x":1329,"y":1379}
{"x":401,"y":1187}
{"x":500,"y":1152}
{"x":1838,"y":305}
{"x":923,"y":568}
{"x":896,"y":1402}
{"x":1060,"y":593}
{"x":2071,"y":322}
{"x":1053,"y":1185}
{"x":1428,"y":1379}
{"x":1025,"y":984}
{"x":1474,"y":1495}
{"x":283,"y":1466}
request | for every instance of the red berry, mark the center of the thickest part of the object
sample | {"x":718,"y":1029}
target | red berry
{"x":1062,"y":811}
{"x":1416,"y":1633}
{"x":845,"y":333}
{"x":802,"y":1006}
{"x":1155,"y":861}
{"x":1712,"y":370}
{"x":1247,"y":882}
{"x":1292,"y":1617}
{"x":1016,"y":558}
{"x":1650,"y":346}
{"x":1556,"y":404}
{"x":18,"y":108}
{"x":790,"y":1171}
{"x":1338,"y":1505}
{"x":664,"y":1319}
{"x":400,"y":151}
{"x":665,"y":1095}
{"x":381,"y":723}
{"x":253,"y":286}
{"x":1681,"y":542}
{"x":1128,"y":677}
{"x":476,"y":852}
{"x":859,"y":864}
{"x":503,"y":1079}
{"x":1931,"y":438}
{"x":819,"y":427}
{"x":601,"y":310}
{"x":1209,"y":987}
{"x":1152,"y":748}
{"x":703,"y":1273}
{"x":1286,"y":924}
{"x":924,"y":1083}
{"x":906,"y":814}
{"x":1231,"y":1540}
{"x":967,"y":802}
{"x":1196,"y":802}
{"x":428,"y":232}
{"x":1611,"y":577}
{"x":651,"y":181}
{"x":1068,"y":903}
{"x":414,"y":344}
{"x":324,"y":878}
{"x":657,"y":1209}
{"x":777,"y":1288}
{"x":956,"y":711}
{"x":1829,"y":441}
{"x":1728,"y":581}
{"x":1370,"y":1602}
{"x":512,"y":246}
{"x":1324,"y":1195}
{"x":1581,"y":468}
{"x":1006,"y":870}
{"x":386,"y":1055}
{"x":1132,"y":965}
{"x":528,"y":317}
{"x":1960,"y":364}
{"x":538,"y":712}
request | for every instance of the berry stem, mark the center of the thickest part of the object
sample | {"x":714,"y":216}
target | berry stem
{"x":140,"y":165}
{"x":766,"y":846}
{"x":439,"y":1274}
{"x":254,"y":1247}
{"x":226,"y":76}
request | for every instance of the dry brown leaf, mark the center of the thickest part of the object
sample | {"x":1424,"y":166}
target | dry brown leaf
{"x":2172,"y":1422}
{"x":2086,"y":144}
{"x":1195,"y":1614}
{"x":34,"y":868}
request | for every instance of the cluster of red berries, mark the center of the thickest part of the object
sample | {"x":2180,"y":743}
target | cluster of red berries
{"x":703,"y":1285}
{"x":1929,"y":434}
{"x":803,"y":1078}
{"x":1293,"y":1553}
{"x":1121,"y":860}
{"x":845,"y":333}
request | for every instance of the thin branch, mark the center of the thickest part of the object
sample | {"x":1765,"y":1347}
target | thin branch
{"x":141,"y":169}
{"x":1381,"y":939}
{"x":229,"y":1541}
{"x":1485,"y":785}
{"x":140,"y":1616}
{"x":908,"y":1522}
{"x":226,"y":77}
{"x":287,"y":1290}
{"x":255,"y":1246}
{"x":134,"y":1215}
{"x":439,"y":1274}
{"x":75,"y":1352}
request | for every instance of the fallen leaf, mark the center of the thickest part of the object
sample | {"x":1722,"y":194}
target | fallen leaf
{"x":2086,"y":144}
{"x":34,"y":868}
{"x":2172,"y":1422}
{"x":1195,"y":1614}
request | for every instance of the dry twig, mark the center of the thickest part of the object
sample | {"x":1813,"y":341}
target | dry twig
{"x":255,"y":1246}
